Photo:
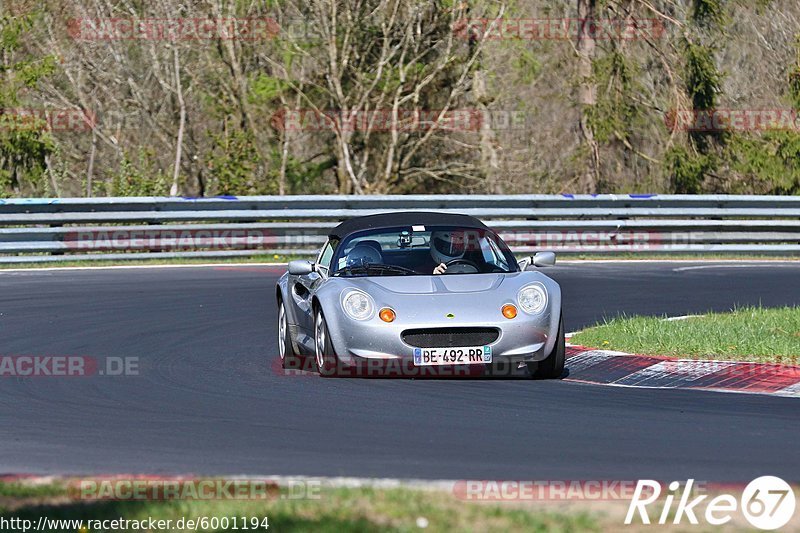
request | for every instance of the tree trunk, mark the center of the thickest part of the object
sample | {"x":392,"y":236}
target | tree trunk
{"x":489,"y":159}
{"x":173,"y":191}
{"x":587,"y":92}
{"x":90,"y":169}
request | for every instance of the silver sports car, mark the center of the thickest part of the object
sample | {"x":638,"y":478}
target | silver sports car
{"x":423,"y":289}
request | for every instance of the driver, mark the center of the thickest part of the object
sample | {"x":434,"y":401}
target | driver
{"x":446,"y":246}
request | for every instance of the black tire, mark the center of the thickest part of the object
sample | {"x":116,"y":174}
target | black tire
{"x":553,"y":366}
{"x":325,"y":357}
{"x":285,"y":349}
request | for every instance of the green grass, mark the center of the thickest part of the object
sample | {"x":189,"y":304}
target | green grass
{"x":655,"y":256}
{"x":746,"y":334}
{"x":272,"y":258}
{"x":340,"y":509}
{"x":19,"y":490}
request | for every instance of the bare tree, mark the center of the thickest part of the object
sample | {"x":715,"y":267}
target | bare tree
{"x":400,"y":70}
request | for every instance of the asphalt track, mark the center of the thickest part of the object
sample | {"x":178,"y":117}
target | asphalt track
{"x":207,"y":402}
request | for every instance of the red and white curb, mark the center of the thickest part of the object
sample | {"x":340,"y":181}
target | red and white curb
{"x":620,"y":369}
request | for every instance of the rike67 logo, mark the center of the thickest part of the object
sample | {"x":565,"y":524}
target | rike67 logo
{"x":768,"y":503}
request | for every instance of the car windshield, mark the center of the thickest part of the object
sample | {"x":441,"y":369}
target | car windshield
{"x":418,"y":250}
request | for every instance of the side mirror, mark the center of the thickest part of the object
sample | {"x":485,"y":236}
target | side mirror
{"x":544,"y":259}
{"x":300,"y":267}
{"x":525,"y":262}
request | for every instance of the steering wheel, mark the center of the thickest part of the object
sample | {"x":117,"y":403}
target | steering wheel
{"x":461,"y":261}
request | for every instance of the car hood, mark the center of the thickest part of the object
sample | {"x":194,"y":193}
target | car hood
{"x":444,"y":284}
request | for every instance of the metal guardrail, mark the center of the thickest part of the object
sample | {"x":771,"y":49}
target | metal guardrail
{"x":51,"y":230}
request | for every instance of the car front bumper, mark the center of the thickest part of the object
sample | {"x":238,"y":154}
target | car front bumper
{"x":522,"y":339}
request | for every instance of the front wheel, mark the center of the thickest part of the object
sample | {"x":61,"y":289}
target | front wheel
{"x":285,"y":349}
{"x":553,"y":366}
{"x":327,"y":362}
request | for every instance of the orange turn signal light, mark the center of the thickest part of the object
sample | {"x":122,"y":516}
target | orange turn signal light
{"x":509,"y":311}
{"x":387,"y":315}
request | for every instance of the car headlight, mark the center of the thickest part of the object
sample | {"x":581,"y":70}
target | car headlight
{"x":358,"y":305}
{"x":532,"y":299}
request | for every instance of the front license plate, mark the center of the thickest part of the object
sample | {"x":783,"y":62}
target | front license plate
{"x":467,"y":355}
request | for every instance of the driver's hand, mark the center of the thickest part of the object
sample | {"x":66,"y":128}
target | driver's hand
{"x":440,"y":269}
